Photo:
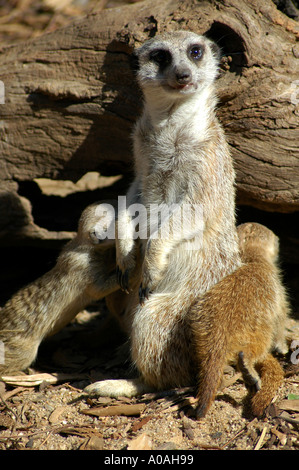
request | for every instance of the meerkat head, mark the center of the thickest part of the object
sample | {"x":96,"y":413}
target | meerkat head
{"x":257,"y":237}
{"x":180,"y":63}
{"x":94,"y":224}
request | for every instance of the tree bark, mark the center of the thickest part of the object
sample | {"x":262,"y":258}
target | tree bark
{"x":71,"y":100}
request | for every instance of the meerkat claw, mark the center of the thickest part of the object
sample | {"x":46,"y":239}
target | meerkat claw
{"x":119,"y":276}
{"x":143,"y":294}
{"x":123,"y":279}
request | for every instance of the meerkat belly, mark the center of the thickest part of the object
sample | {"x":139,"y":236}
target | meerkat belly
{"x":190,"y":272}
{"x":162,"y":187}
{"x":161,"y":343}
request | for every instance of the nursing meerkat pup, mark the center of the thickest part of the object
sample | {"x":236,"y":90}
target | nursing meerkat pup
{"x":84,"y":272}
{"x":183,"y":168}
{"x":242,"y":319}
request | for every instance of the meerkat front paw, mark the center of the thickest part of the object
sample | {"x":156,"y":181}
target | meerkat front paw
{"x":95,"y":238}
{"x":144,"y":293}
{"x":126,"y":253}
{"x":125,"y":267}
{"x":146,"y":286}
{"x":149,"y":281}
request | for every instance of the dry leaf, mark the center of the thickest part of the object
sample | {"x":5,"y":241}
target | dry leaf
{"x":289,"y":405}
{"x":187,"y":428}
{"x":261,"y":440}
{"x":55,"y":415}
{"x":116,"y":410}
{"x":36,"y":379}
{"x":29,"y":380}
{"x":281,"y":436}
{"x":2,"y":388}
{"x":142,"y":442}
{"x":93,"y":443}
{"x":13,"y":392}
{"x":81,"y":431}
{"x":6,"y":421}
{"x":139,"y":424}
{"x":287,"y":417}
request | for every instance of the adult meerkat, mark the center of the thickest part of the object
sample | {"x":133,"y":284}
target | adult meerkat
{"x":182,"y":161}
{"x":242,"y":319}
{"x":84,"y":272}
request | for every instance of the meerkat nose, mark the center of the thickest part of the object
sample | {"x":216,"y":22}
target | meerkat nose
{"x":183,"y":77}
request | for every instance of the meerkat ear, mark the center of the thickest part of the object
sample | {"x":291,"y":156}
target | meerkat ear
{"x":134,"y":62}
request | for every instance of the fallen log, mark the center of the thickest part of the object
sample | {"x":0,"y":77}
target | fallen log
{"x":70,"y":101}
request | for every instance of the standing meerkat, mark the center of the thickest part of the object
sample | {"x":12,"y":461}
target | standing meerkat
{"x":84,"y":272}
{"x":242,"y":319}
{"x":182,"y":163}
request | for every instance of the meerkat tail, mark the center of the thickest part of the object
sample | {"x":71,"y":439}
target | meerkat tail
{"x":212,"y":359}
{"x":208,"y":385}
{"x":272,"y":376}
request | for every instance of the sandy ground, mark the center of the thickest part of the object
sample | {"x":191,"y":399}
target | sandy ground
{"x":53,"y":413}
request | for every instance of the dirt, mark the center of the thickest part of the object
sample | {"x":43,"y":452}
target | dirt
{"x":54,"y":413}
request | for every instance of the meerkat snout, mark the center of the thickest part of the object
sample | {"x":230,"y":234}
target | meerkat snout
{"x":183,"y":75}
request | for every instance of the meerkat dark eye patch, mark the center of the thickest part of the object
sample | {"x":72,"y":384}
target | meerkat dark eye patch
{"x":162,"y":57}
{"x":196,"y":51}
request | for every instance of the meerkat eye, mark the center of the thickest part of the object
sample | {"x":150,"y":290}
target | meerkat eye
{"x":196,"y":52}
{"x":162,"y":57}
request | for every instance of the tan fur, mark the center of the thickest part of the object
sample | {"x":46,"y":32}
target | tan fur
{"x":181,"y":157}
{"x":242,"y":319}
{"x":84,"y":272}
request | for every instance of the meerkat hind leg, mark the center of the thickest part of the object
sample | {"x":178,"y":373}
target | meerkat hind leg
{"x":115,"y":388}
{"x":270,"y":376}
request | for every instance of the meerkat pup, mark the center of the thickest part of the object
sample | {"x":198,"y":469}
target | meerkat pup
{"x":242,"y":319}
{"x":184,"y":195}
{"x":84,"y":272}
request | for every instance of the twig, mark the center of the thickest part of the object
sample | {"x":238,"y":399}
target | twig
{"x":285,"y":416}
{"x":8,"y":407}
{"x":46,"y":438}
{"x":260,"y":442}
{"x":13,"y":392}
{"x":239,"y":433}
